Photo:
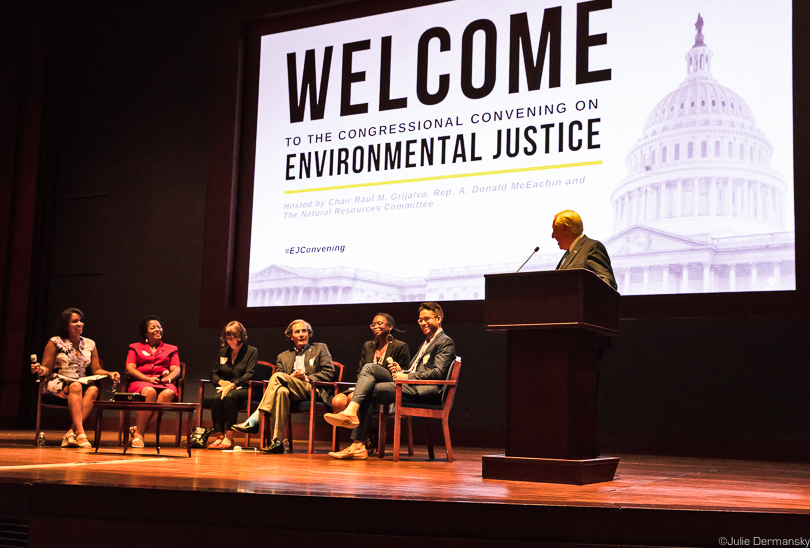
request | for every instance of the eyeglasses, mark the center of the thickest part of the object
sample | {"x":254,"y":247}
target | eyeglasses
{"x":377,"y":324}
{"x":231,"y":338}
{"x":426,"y":320}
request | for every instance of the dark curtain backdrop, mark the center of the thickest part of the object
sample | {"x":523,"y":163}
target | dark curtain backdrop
{"x":23,"y":26}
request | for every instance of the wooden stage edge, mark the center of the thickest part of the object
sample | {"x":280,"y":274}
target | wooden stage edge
{"x":66,"y":497}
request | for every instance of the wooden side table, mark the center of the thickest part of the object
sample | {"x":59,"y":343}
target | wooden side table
{"x":127,"y":406}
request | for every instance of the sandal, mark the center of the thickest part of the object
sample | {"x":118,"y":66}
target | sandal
{"x":69,"y":440}
{"x":82,"y":441}
{"x":216,"y":443}
{"x":227,"y":443}
{"x":137,"y":443}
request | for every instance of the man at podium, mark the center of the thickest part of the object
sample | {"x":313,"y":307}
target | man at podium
{"x":580,"y":251}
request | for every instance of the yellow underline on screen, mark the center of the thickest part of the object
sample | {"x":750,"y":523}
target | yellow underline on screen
{"x":439,"y":177}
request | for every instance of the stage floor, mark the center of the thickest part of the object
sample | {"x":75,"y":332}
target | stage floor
{"x":653,"y":501}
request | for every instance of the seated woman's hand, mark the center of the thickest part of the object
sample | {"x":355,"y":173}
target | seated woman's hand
{"x":225,"y":388}
{"x":36,"y":368}
{"x":393,"y":367}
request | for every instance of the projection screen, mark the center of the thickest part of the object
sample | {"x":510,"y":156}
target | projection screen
{"x":401,"y":157}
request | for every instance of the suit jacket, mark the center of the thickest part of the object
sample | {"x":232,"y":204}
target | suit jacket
{"x":397,"y":351}
{"x":317,"y":366}
{"x":591,"y":255}
{"x":434,"y":364}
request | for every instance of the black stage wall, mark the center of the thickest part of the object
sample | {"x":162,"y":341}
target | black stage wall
{"x":123,"y":169}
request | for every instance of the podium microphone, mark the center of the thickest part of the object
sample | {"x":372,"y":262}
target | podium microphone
{"x":536,"y":249}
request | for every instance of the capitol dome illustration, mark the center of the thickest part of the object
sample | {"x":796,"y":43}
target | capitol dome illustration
{"x":700,"y":209}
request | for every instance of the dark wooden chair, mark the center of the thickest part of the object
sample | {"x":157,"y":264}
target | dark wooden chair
{"x":46,"y":400}
{"x":179,"y":382}
{"x":316,"y":408}
{"x":403,"y":407}
{"x":311,"y":406}
{"x":261,"y":374}
{"x":410,"y":408}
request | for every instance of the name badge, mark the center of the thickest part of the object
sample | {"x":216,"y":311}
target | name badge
{"x":223,"y":360}
{"x":425,"y":358}
{"x":312,"y":361}
{"x":145,"y":353}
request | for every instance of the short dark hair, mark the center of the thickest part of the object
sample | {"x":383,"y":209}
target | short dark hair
{"x":63,"y":321}
{"x":289,"y":329}
{"x":144,"y":327}
{"x":432,"y":307}
{"x":235,"y":330}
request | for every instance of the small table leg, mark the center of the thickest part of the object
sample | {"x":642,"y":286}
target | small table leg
{"x":188,"y":432}
{"x":126,"y":430}
{"x":97,"y":439}
{"x":157,"y":431}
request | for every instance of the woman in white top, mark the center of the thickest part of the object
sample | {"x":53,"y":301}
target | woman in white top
{"x":66,"y":357}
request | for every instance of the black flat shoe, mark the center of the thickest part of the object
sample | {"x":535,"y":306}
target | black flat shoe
{"x":274,"y":448}
{"x":245,"y":429}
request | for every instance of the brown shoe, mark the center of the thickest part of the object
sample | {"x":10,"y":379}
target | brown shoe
{"x":339,"y":419}
{"x":350,"y":454}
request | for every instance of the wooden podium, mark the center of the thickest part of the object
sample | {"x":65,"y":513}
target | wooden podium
{"x":557,"y":324}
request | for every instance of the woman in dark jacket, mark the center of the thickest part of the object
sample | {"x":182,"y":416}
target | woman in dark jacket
{"x":384,"y":349}
{"x":236,"y":363}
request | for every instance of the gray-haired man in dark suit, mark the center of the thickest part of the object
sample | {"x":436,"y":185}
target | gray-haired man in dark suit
{"x":296,"y":368}
{"x":580,"y":251}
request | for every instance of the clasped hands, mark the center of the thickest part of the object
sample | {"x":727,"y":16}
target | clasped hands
{"x":223,"y":389}
{"x":159,"y":379}
{"x":298,"y":374}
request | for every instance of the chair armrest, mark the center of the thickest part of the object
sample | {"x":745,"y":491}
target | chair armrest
{"x":332,"y":384}
{"x":336,"y":384}
{"x":421,"y":381}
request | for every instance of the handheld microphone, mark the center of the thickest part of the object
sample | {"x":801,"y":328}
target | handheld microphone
{"x":33,"y":358}
{"x":536,"y":249}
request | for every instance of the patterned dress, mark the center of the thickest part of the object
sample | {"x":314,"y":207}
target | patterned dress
{"x":69,"y":362}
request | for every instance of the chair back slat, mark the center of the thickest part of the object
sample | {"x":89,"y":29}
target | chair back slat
{"x":180,"y":381}
{"x":452,"y":375}
{"x":263,"y":371}
{"x":339,"y":366}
